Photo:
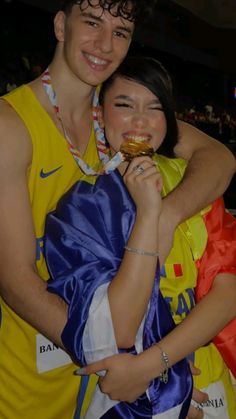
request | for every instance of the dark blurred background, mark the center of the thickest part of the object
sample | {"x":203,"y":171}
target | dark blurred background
{"x":193,"y":39}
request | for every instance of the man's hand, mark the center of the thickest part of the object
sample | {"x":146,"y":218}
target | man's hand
{"x":117,"y":383}
{"x":198,"y":396}
{"x":195,"y":413}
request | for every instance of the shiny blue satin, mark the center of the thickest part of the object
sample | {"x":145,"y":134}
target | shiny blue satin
{"x":84,"y":246}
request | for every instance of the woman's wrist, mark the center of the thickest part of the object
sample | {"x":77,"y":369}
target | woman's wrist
{"x":152,"y":364}
{"x":148,"y":220}
{"x":142,"y":252}
{"x":144,"y":234}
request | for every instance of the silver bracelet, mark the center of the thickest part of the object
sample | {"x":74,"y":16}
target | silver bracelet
{"x":141,"y":251}
{"x":163,"y":377}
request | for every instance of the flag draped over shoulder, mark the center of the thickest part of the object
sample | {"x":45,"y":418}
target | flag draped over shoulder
{"x":85,"y":239}
{"x":219,"y":257}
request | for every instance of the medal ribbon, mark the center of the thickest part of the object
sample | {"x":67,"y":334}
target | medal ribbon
{"x":103,"y":150}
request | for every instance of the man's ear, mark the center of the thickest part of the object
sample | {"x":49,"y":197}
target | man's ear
{"x":100,"y":116}
{"x":59,"y":26}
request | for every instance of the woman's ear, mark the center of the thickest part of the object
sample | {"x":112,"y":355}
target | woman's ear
{"x":59,"y":26}
{"x":100,"y":116}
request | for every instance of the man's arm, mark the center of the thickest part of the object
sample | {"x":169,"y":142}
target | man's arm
{"x":210,"y":168}
{"x":20,"y":286}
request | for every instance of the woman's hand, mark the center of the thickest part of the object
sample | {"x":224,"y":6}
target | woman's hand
{"x":144,"y":184}
{"x":125,"y":377}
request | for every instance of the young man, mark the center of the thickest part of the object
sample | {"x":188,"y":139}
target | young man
{"x":37,"y":167}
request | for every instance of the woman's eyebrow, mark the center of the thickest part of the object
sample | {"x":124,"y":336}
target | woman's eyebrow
{"x":155,"y":102}
{"x":123,"y":97}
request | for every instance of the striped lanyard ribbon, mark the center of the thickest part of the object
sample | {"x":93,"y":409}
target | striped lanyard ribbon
{"x":103,"y":150}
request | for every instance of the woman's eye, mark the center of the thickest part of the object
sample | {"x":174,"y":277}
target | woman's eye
{"x":122,"y":105}
{"x":156,"y":108}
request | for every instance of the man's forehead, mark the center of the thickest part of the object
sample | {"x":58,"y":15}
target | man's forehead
{"x":136,"y":11}
{"x":93,"y":8}
{"x":115,"y":8}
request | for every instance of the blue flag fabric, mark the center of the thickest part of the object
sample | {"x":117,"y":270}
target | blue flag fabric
{"x":85,"y":239}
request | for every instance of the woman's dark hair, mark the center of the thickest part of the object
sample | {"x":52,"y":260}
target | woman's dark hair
{"x":150,"y":73}
{"x":132,"y":10}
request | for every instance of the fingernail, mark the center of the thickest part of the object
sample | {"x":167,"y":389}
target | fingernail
{"x":80,"y":371}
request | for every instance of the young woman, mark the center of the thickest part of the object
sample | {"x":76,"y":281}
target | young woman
{"x":102,"y":249}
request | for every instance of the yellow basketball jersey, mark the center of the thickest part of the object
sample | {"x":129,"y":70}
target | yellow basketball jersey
{"x":36,"y":377}
{"x":179,"y":274}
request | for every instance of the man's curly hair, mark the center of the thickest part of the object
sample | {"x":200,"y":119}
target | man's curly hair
{"x":133,"y":10}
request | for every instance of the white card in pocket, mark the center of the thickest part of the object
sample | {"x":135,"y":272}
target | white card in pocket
{"x":49,"y":356}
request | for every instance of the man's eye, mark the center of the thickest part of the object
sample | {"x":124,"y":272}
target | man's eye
{"x":92,"y":23}
{"x":120,"y":34}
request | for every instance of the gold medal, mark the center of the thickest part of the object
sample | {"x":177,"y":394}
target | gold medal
{"x":132,"y":148}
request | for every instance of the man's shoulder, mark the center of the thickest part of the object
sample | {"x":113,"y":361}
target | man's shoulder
{"x":14,"y":136}
{"x":9,"y":119}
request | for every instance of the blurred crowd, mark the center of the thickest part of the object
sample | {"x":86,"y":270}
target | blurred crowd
{"x":18,"y":69}
{"x":220,"y":124}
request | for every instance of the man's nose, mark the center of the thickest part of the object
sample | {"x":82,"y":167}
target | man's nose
{"x":104,"y":40}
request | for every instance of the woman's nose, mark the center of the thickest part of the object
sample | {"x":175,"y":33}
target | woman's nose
{"x":139,"y":120}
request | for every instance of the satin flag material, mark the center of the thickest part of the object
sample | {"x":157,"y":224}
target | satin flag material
{"x":84,"y":247}
{"x":219,"y":257}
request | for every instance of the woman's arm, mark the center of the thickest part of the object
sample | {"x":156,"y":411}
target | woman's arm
{"x":208,"y":317}
{"x":202,"y":324}
{"x":129,"y":291}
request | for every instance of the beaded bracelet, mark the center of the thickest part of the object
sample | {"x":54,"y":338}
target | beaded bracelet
{"x":165,"y":359}
{"x":141,"y":251}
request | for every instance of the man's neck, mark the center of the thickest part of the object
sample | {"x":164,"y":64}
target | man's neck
{"x":74,"y":99}
{"x":73,"y":95}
